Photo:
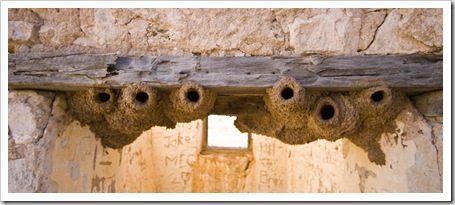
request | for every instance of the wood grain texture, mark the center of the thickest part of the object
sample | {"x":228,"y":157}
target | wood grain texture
{"x":224,"y":75}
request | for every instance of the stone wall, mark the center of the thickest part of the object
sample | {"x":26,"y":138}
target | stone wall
{"x":49,"y":151}
{"x":226,"y":32}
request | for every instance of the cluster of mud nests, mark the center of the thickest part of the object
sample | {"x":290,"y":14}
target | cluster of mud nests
{"x":118,"y":117}
{"x":295,"y":115}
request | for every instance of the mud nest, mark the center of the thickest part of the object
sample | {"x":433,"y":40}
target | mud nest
{"x":293,"y":115}
{"x":190,"y":102}
{"x":118,"y":117}
{"x":300,"y":116}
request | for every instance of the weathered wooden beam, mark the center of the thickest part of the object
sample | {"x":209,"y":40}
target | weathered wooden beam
{"x":224,"y":75}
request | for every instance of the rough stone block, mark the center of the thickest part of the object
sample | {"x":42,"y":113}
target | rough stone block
{"x":370,"y":23}
{"x":28,"y":114}
{"x":403,"y":32}
{"x":61,"y":26}
{"x":429,"y":104}
{"x":22,"y":32}
{"x":332,"y":33}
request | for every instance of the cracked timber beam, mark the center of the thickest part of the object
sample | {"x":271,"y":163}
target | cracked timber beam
{"x":411,"y":74}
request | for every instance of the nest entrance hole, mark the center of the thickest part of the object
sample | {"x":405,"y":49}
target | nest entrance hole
{"x":103,"y":97}
{"x":327,"y":112}
{"x":193,"y":96}
{"x":287,"y":93}
{"x":377,"y":96}
{"x":142,"y":97}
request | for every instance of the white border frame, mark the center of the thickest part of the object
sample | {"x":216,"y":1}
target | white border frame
{"x":445,"y":196}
